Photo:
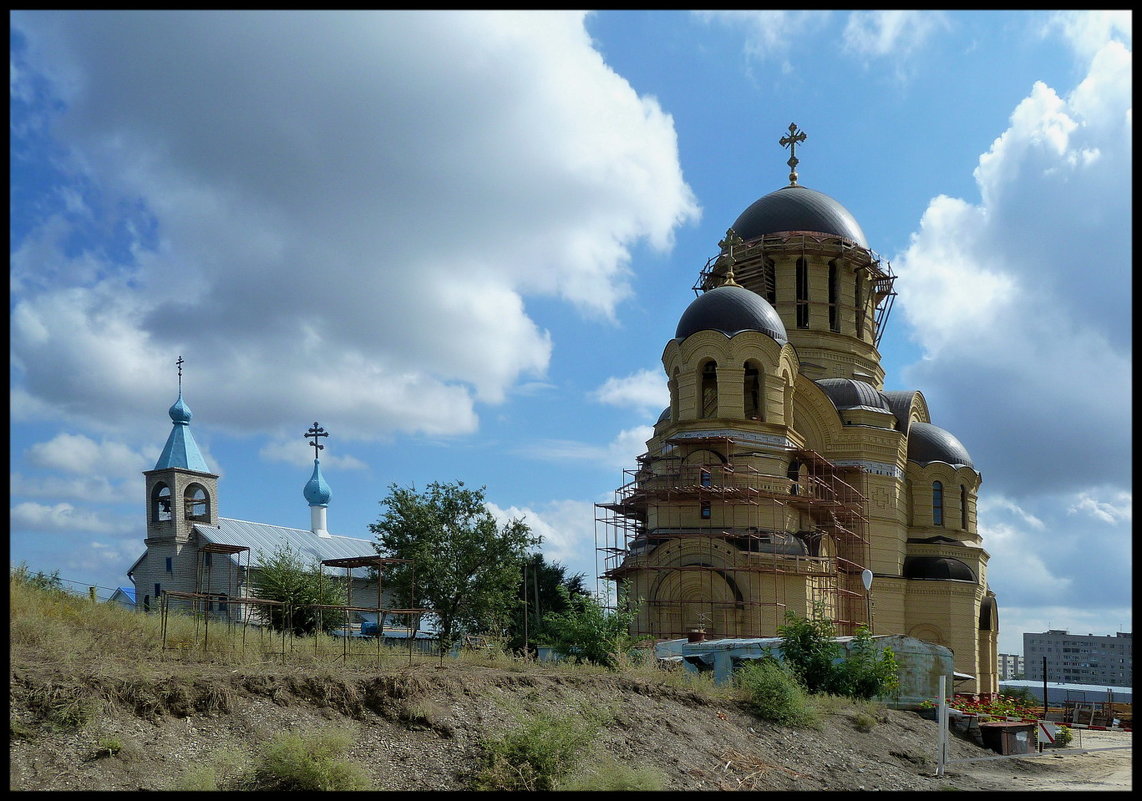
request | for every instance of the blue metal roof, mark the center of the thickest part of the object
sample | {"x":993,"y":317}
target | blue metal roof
{"x":181,"y":450}
{"x":265,"y":539}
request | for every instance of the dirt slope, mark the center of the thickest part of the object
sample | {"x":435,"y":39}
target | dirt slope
{"x":420,"y":727}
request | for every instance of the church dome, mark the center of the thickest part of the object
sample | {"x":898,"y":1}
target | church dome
{"x":180,"y":412}
{"x":929,"y":443}
{"x":798,"y":208}
{"x":848,"y":393}
{"x":316,"y":491}
{"x":730,"y":309}
{"x":937,"y":568}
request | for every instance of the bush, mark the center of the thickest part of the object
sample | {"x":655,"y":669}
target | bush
{"x":1063,"y":737}
{"x":809,"y":648}
{"x":313,"y":762}
{"x":611,"y":775}
{"x":586,"y":631}
{"x":535,"y":756}
{"x":864,"y":673}
{"x":775,"y":694}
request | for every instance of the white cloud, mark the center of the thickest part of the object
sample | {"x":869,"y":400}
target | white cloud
{"x":568,"y":531}
{"x":80,"y":455}
{"x":293,"y":452}
{"x":1119,"y":509}
{"x":895,"y":33}
{"x":1088,"y":31}
{"x":620,"y":453}
{"x":63,"y":517}
{"x":643,"y":391}
{"x":350,"y":228}
{"x":1020,"y":318}
{"x":770,"y":34}
{"x":90,"y":489}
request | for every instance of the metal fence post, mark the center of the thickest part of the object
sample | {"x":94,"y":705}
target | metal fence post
{"x":942,"y":725}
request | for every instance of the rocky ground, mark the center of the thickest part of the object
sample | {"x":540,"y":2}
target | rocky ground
{"x":422,"y":727}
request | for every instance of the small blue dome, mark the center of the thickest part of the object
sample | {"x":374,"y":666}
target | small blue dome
{"x":180,"y":413}
{"x":317,"y":492}
{"x":928,"y":443}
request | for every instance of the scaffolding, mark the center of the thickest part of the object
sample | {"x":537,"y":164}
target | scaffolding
{"x":766,"y":543}
{"x":754,"y":269}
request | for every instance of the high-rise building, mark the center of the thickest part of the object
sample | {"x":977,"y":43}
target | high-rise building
{"x":1079,"y":658}
{"x":1010,"y":667}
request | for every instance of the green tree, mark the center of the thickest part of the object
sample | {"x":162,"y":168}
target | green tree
{"x":50,"y":582}
{"x":809,"y":648}
{"x":539,"y":586}
{"x":284,"y":576}
{"x":466,"y":567}
{"x":865,"y":672}
{"x":587,"y":631}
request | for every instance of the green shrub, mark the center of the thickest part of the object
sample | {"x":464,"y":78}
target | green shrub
{"x":1063,"y":737}
{"x":775,"y":694}
{"x":108,"y":746}
{"x":863,"y":722}
{"x":864,"y":673}
{"x":612,"y":775}
{"x":809,"y":649}
{"x":536,"y":755}
{"x":311,"y":762}
{"x":587,"y":631}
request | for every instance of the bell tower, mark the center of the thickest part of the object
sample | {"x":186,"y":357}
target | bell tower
{"x":181,"y":493}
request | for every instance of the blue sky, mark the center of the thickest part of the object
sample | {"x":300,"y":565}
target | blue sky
{"x":460,"y":241}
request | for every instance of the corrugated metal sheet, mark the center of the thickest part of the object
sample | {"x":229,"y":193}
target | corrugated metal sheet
{"x":264,"y":539}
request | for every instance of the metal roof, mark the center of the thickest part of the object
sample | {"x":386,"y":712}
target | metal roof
{"x":730,"y":309}
{"x":848,"y":393}
{"x":265,"y":539}
{"x":900,"y":404}
{"x":929,"y":443}
{"x":798,"y":208}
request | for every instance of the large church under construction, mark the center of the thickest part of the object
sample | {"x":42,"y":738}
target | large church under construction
{"x":782,"y":471}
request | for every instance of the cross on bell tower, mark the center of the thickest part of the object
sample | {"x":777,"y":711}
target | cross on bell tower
{"x":790,"y":142}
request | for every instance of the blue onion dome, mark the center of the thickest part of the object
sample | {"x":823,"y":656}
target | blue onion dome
{"x":731,"y":308}
{"x":180,"y":413}
{"x":798,"y":208}
{"x":848,"y":393}
{"x":929,"y":443}
{"x":316,"y":491}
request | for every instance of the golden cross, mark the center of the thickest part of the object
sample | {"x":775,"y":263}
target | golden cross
{"x":790,"y":142}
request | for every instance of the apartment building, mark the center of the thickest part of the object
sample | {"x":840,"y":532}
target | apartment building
{"x":1079,"y":658}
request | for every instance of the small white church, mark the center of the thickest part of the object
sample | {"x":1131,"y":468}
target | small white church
{"x":191,"y":549}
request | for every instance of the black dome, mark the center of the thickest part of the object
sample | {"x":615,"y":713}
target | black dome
{"x":929,"y":443}
{"x":848,"y":393}
{"x":937,"y":567}
{"x":730,"y":309}
{"x":798,"y":208}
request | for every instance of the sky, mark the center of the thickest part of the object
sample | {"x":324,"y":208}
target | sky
{"x":461,"y":240}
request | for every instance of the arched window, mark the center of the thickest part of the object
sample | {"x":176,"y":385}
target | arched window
{"x":834,"y":317}
{"x":794,"y":476}
{"x":769,"y":280}
{"x":197,"y":503}
{"x":710,"y":389}
{"x":706,"y":510}
{"x":754,"y":403}
{"x":859,"y":296}
{"x":802,"y":293}
{"x":937,"y":503}
{"x":963,"y":507}
{"x":160,"y":503}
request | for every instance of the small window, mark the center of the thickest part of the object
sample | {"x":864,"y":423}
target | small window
{"x":937,"y":503}
{"x":834,"y":317}
{"x":158,"y":590}
{"x":206,"y":559}
{"x":706,"y":510}
{"x":963,"y":507}
{"x":752,"y":391}
{"x":710,"y":389}
{"x":858,"y":293}
{"x":705,"y":478}
{"x":802,"y":293}
{"x":170,"y":565}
